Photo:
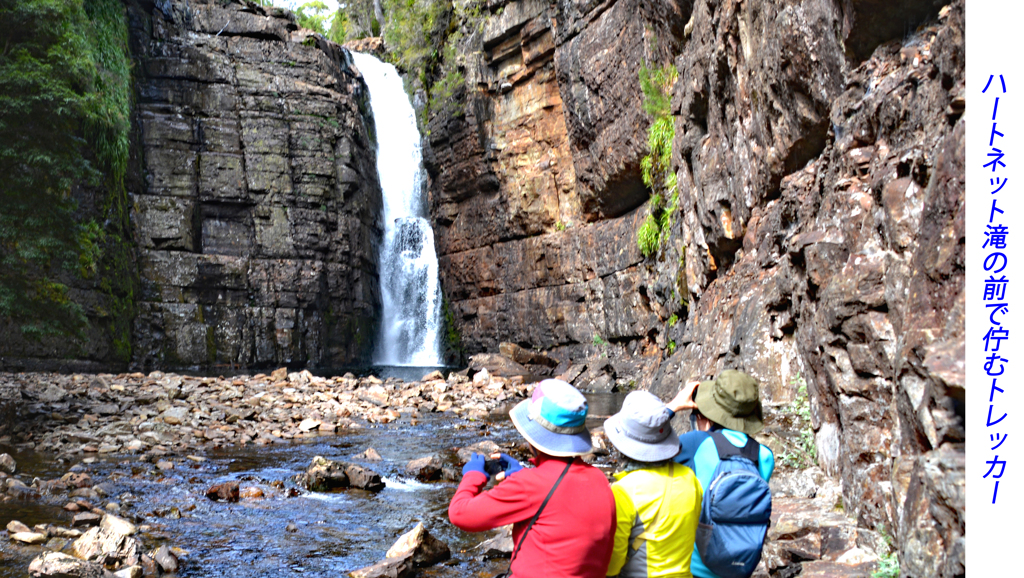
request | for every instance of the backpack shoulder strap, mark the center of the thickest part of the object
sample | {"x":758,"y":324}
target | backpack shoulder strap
{"x":750,"y":450}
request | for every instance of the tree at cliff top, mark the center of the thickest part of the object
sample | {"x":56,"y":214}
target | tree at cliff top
{"x":64,"y":107}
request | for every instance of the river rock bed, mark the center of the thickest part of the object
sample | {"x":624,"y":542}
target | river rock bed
{"x":165,"y":413}
{"x":164,"y":427}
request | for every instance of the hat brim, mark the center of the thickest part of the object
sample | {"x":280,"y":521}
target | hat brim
{"x":638,"y":450}
{"x":549,"y":442}
{"x":705,"y":398}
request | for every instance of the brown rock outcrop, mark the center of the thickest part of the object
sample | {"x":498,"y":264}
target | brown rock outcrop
{"x":258,"y":223}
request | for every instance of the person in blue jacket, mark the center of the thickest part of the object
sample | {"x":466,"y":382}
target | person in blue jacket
{"x":730,"y":403}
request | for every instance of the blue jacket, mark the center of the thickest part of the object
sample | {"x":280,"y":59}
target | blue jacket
{"x":699,"y":454}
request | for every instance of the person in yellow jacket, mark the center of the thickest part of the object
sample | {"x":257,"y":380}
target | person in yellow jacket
{"x":657,"y":501}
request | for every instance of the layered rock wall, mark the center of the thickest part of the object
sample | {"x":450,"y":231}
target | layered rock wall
{"x":259,"y":219}
{"x":536,"y":177}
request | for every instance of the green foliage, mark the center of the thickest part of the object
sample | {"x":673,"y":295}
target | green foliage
{"x":888,"y":563}
{"x":804,"y":453}
{"x":452,"y":335}
{"x":670,"y":348}
{"x":340,"y":26}
{"x":599,"y":341}
{"x":673,"y":320}
{"x":647,"y":236}
{"x":415,"y":33}
{"x":313,"y":15}
{"x":560,"y":226}
{"x":656,"y":166}
{"x":65,"y":97}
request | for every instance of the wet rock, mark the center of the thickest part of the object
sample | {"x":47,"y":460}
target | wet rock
{"x":419,"y":545}
{"x":226,"y":492}
{"x":323,"y":475}
{"x":370,"y":455}
{"x":15,"y":526}
{"x":425,"y":469}
{"x":57,"y":565}
{"x":31,"y":538}
{"x":107,"y":547}
{"x":500,"y":546}
{"x":134,"y":571}
{"x":485,"y":447}
{"x":149,"y":566}
{"x":7,"y":464}
{"x":364,"y":478}
{"x":393,"y":568}
{"x":77,"y":480}
{"x":117,"y":525}
{"x":166,"y":559}
{"x":86,"y":519}
{"x":251,"y":493}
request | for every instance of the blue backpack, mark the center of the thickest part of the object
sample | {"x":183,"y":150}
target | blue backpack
{"x":736,"y":511}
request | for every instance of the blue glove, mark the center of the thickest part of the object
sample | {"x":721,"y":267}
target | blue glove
{"x":475,"y":464}
{"x":509,"y":464}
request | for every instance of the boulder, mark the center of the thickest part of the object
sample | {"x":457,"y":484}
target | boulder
{"x":485,"y":447}
{"x":14,"y":526}
{"x":496,"y":365}
{"x":116,"y":525}
{"x":227,"y":492}
{"x":166,"y":559}
{"x":389,"y":568}
{"x":7,"y":463}
{"x":499,"y":546}
{"x":420,"y":546}
{"x":107,"y":547}
{"x":425,"y":469}
{"x":57,"y":565}
{"x":370,"y":455}
{"x":30,"y":538}
{"x":325,"y":475}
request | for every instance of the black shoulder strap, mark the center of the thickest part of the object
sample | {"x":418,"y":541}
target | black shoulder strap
{"x":537,"y":515}
{"x":751,"y":450}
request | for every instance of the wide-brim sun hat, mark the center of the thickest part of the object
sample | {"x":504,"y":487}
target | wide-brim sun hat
{"x":641,"y":429}
{"x":553,"y":419}
{"x":732,"y":400}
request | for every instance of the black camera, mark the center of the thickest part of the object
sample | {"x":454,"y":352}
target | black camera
{"x":493,"y":467}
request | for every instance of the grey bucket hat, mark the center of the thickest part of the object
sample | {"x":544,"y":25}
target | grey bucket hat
{"x":641,"y":429}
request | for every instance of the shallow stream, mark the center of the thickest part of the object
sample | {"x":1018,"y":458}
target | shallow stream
{"x":330,"y":534}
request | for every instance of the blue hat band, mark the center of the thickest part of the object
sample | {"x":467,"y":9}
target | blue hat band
{"x":557,"y":419}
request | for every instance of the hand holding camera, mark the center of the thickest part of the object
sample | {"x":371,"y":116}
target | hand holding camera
{"x":685,"y":398}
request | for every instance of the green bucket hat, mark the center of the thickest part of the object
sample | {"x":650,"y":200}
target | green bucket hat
{"x":732,"y":400}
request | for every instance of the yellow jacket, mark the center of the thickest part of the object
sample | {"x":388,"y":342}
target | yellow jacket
{"x":656,"y":512}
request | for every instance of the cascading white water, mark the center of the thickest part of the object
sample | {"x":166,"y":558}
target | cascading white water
{"x":410,"y":291}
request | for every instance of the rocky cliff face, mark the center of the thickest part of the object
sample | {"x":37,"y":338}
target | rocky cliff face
{"x":258,"y":219}
{"x":819,"y":236}
{"x":529,"y":177}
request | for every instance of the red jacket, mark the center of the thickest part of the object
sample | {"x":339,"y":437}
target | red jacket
{"x":573,"y":536}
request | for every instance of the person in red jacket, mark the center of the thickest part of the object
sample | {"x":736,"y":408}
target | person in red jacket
{"x":573,"y":536}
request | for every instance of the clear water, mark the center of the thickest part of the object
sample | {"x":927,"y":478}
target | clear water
{"x":410,"y":290}
{"x":336,"y":532}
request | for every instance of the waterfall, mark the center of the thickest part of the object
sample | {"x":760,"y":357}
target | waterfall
{"x":410,"y":291}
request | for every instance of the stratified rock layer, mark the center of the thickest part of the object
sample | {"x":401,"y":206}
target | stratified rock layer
{"x":257,"y":227}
